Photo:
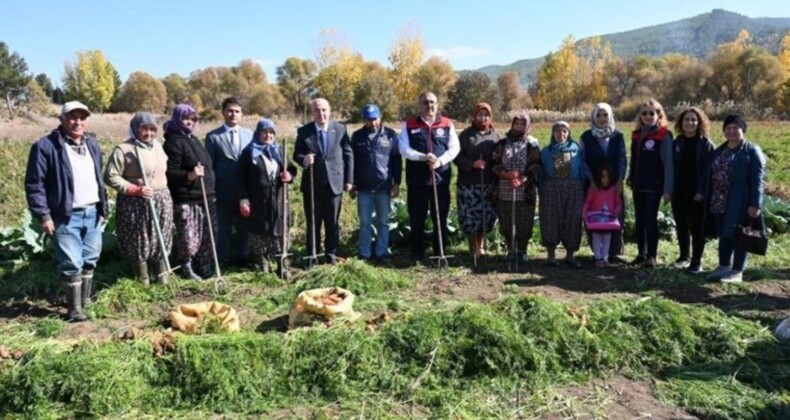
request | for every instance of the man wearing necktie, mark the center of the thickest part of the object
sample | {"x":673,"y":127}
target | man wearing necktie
{"x":323,"y":146}
{"x":225,"y":144}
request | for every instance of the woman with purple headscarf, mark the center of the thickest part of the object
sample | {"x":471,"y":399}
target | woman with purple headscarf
{"x":187,"y":162}
{"x":136,"y":169}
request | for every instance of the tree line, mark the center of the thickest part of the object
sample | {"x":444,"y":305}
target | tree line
{"x":574,"y":77}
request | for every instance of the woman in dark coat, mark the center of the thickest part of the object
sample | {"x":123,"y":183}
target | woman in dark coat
{"x":651,"y":177}
{"x":603,"y":144}
{"x":264,"y":179}
{"x":475,"y":182}
{"x":692,"y":150}
{"x":736,"y":185}
{"x":187,"y":162}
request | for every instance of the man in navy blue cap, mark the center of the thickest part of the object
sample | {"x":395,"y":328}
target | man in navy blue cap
{"x":377,"y":176}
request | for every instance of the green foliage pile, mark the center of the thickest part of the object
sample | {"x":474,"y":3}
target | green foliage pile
{"x":366,"y":282}
{"x":423,"y":358}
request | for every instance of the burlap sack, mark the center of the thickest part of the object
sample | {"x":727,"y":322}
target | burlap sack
{"x":308,"y":309}
{"x":189,"y":317}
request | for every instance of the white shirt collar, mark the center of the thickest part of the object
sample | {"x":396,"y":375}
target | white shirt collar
{"x":319,"y":128}
{"x":228,"y":128}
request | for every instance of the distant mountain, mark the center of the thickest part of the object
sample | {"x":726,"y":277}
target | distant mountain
{"x":697,"y":36}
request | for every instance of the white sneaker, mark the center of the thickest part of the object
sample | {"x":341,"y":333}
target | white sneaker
{"x":732,"y":277}
{"x":718,"y":273}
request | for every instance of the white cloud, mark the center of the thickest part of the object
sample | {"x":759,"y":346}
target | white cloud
{"x":456,"y":53}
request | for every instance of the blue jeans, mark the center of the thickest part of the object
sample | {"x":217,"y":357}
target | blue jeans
{"x":78,"y":242}
{"x":729,"y":255}
{"x":367,"y":202}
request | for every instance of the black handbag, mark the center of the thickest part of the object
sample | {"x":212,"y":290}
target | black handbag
{"x":750,"y":239}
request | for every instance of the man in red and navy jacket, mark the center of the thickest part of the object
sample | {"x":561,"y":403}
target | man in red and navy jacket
{"x":428,"y":141}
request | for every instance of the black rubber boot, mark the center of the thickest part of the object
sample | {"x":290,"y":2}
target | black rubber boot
{"x":187,"y":273}
{"x":73,"y":285}
{"x":141,"y":271}
{"x":160,"y":272}
{"x":87,"y":286}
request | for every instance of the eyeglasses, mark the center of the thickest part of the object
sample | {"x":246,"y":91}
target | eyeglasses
{"x":426,"y":102}
{"x":651,"y":113}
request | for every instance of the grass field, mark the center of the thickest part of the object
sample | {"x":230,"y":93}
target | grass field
{"x":547,"y":342}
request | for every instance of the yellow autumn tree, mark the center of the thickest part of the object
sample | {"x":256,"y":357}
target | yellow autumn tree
{"x":784,"y":58}
{"x":405,"y":57}
{"x":555,"y":82}
{"x":784,"y":52}
{"x":591,"y":78}
{"x":436,"y":75}
{"x":90,"y":79}
{"x":340,"y":69}
{"x":726,"y":69}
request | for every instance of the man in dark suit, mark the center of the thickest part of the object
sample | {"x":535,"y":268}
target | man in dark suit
{"x":323,"y":147}
{"x":225,"y":144}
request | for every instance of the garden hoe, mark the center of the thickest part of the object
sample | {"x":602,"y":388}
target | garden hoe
{"x":513,"y":254}
{"x":163,"y":278}
{"x":514,"y":257}
{"x":282,"y":268}
{"x":218,"y":280}
{"x":312,"y":259}
{"x":483,"y":221}
{"x":441,"y":259}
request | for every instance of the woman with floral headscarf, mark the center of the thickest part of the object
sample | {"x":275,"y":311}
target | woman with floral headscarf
{"x":187,"y":162}
{"x":561,"y":194}
{"x":476,"y":179}
{"x":516,"y":161}
{"x":136,"y":232}
{"x":263,"y":179}
{"x":603,"y":144}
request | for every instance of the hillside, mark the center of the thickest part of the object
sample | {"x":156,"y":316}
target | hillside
{"x":697,"y":36}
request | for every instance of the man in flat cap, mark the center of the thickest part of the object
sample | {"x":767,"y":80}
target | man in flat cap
{"x":64,"y":191}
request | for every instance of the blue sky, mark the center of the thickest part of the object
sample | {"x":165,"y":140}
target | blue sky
{"x":163,"y":37}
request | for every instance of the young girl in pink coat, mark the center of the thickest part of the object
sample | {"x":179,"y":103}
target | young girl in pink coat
{"x":601,"y":209}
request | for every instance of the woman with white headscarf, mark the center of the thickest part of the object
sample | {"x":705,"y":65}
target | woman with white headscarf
{"x":136,"y":232}
{"x":605,"y":144}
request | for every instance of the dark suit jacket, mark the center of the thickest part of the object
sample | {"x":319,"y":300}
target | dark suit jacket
{"x":225,"y":160}
{"x":334,"y":169}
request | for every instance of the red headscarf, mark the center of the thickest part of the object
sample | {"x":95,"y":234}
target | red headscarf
{"x":477,"y":124}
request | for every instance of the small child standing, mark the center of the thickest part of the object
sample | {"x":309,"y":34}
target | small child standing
{"x":601,"y":212}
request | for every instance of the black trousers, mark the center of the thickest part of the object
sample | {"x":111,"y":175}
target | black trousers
{"x":419,"y":201}
{"x":327,"y":213}
{"x":646,"y":222}
{"x":688,"y":216}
